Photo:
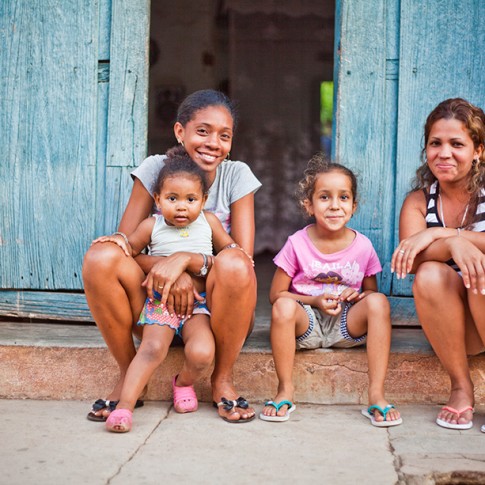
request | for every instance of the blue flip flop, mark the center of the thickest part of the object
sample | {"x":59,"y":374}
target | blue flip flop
{"x":381,"y":424}
{"x":278,"y":406}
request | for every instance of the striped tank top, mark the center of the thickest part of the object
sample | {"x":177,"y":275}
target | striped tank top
{"x":433,"y":219}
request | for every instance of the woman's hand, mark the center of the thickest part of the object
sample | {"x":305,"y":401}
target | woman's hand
{"x":182,"y":295}
{"x":471,"y":262}
{"x":404,"y":255}
{"x":117,"y":239}
{"x":164,"y":274}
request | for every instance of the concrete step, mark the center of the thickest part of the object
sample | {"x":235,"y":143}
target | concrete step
{"x":67,"y":361}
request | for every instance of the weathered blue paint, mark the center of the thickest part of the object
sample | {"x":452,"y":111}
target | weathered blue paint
{"x":73,"y":85}
{"x":397,"y":61}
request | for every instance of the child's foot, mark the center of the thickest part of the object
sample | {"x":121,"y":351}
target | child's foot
{"x":280,"y":407}
{"x":184,"y":398}
{"x":119,"y":421}
{"x":381,"y":413}
{"x":458,"y":412}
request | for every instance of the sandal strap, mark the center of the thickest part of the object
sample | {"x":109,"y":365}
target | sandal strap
{"x":227,"y":404}
{"x":383,"y":411}
{"x":101,"y":404}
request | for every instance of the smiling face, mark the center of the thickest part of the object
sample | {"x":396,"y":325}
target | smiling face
{"x":181,"y":199}
{"x":332,"y":202}
{"x":207,"y":137}
{"x":450,"y":151}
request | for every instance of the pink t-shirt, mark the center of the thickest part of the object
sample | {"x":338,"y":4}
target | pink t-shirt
{"x":314,"y":273}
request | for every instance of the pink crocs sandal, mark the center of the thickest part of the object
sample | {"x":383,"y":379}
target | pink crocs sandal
{"x":184,"y":398}
{"x":119,"y":421}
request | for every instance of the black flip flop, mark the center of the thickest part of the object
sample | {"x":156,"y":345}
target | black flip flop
{"x":101,"y":404}
{"x":240,"y":402}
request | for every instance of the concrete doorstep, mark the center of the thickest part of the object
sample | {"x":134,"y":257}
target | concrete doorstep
{"x":49,"y":361}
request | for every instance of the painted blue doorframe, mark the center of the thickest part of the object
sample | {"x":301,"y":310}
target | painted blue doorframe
{"x":73,"y":90}
{"x":396,"y":60}
{"x":73,"y":94}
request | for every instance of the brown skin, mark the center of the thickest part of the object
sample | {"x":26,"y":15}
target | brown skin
{"x":113,"y":282}
{"x":451,"y":308}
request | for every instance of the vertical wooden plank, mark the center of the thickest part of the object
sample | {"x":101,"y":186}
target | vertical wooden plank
{"x":128,"y":97}
{"x":442,"y":45}
{"x":364,"y":125}
{"x":48,"y":78}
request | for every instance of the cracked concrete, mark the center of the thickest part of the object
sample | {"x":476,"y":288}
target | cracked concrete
{"x":51,"y":442}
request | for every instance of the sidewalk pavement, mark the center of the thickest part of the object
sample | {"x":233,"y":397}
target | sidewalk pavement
{"x":51,"y":442}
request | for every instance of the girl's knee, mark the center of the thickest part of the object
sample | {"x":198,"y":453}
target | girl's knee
{"x":153,"y":350}
{"x":199,"y":357}
{"x":378,"y":305}
{"x":284,"y":309}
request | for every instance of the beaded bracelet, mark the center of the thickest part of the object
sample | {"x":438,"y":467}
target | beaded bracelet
{"x":123,"y":235}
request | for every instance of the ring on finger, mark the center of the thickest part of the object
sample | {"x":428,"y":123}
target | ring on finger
{"x":160,"y":286}
{"x":402,"y":251}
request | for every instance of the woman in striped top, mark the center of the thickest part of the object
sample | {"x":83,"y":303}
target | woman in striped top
{"x":442,"y":233}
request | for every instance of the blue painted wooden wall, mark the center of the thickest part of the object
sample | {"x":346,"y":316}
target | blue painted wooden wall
{"x":396,"y":60}
{"x":73,"y":91}
{"x":73,"y":94}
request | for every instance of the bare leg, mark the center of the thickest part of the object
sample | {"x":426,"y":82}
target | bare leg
{"x":288,"y":320}
{"x":199,"y":350}
{"x":373,"y":315}
{"x":441,"y":304}
{"x":231,"y":295}
{"x":152,"y":352}
{"x":112,"y":282}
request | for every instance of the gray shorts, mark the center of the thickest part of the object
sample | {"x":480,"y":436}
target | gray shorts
{"x":326,"y":331}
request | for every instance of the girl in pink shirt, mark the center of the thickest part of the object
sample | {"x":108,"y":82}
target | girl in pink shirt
{"x":324,"y":291}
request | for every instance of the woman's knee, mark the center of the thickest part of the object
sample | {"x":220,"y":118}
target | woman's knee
{"x":100,"y":258}
{"x":431,"y":278}
{"x":232,"y":266}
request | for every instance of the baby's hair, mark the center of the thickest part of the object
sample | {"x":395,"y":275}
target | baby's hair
{"x":317,"y":165}
{"x":204,"y":98}
{"x":178,"y":162}
{"x":473,"y":119}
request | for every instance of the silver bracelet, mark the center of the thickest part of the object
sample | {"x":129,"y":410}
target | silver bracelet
{"x":123,"y":235}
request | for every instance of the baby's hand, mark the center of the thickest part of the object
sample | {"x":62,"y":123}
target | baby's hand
{"x":329,"y":304}
{"x":116,"y":239}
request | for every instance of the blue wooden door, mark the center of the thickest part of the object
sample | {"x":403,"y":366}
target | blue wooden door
{"x":73,"y":94}
{"x":395,"y":61}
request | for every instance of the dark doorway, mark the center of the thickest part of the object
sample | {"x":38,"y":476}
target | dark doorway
{"x":275,"y":59}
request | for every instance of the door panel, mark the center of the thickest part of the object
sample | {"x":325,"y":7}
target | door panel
{"x":441,"y":57}
{"x":73,"y":91}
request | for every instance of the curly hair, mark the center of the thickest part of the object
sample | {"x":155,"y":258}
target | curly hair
{"x":317,"y":165}
{"x":178,"y":162}
{"x":473,"y":119}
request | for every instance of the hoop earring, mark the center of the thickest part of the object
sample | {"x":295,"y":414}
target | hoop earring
{"x":180,"y":142}
{"x":228,"y":156}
